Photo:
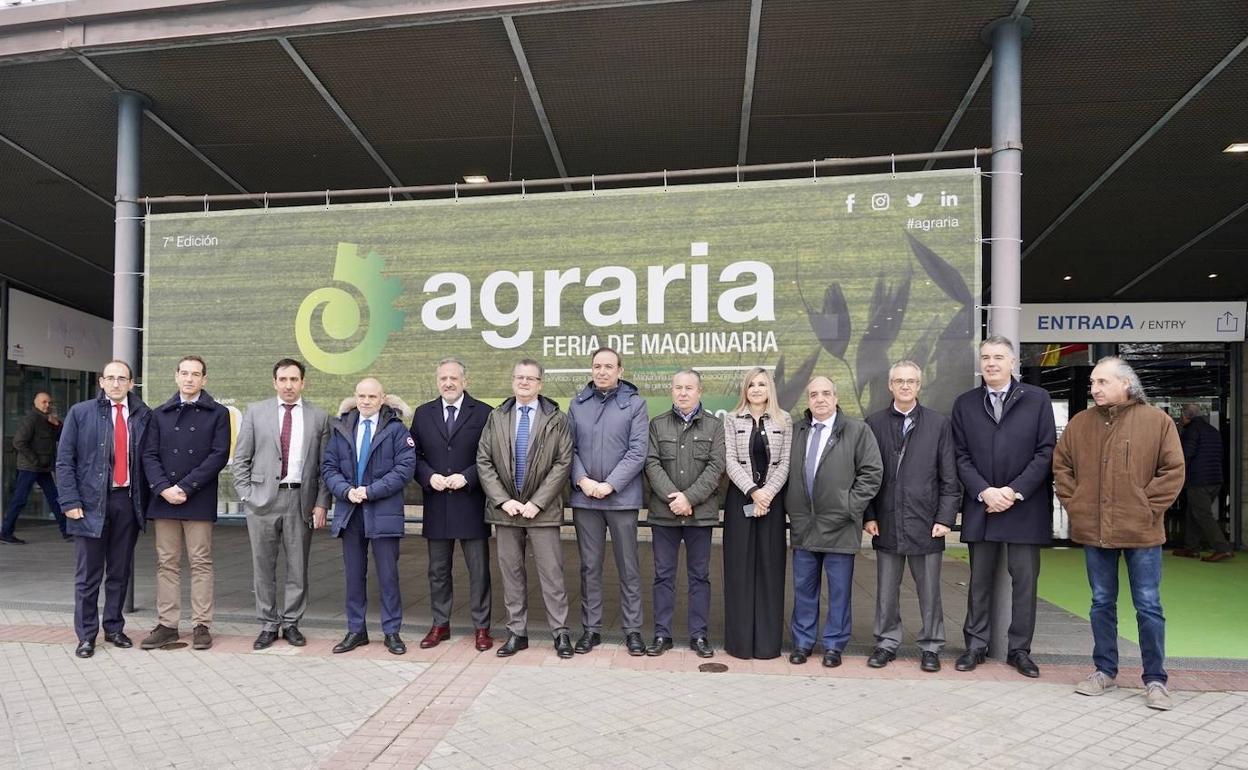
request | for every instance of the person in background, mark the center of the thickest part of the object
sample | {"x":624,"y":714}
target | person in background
{"x":35,"y":442}
{"x":1202,"y":453}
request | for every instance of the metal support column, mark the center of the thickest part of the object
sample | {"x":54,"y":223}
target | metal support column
{"x":1006,"y":38}
{"x":127,"y":244}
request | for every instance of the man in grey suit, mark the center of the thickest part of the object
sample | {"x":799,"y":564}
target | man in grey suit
{"x":277,"y":474}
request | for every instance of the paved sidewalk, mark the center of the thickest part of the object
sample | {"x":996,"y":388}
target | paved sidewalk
{"x":452,"y":707}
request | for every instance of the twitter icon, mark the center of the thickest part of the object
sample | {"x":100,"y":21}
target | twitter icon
{"x":914,"y":199}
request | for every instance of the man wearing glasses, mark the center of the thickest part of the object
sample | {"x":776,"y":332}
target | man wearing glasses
{"x":915,"y":508}
{"x":524,"y":462}
{"x":101,"y":484}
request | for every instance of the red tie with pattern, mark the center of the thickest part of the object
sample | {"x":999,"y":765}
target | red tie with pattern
{"x":286,"y":440}
{"x":121,"y":448}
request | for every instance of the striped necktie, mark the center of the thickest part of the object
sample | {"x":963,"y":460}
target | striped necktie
{"x":522,"y":446}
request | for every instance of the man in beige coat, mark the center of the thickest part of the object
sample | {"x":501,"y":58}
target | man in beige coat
{"x":523,"y":463}
{"x":1117,"y":468}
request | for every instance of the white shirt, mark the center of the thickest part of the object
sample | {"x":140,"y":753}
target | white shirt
{"x":294,"y":458}
{"x":459,"y":408}
{"x":359,"y":434}
{"x":824,"y":435}
{"x":112,"y":420}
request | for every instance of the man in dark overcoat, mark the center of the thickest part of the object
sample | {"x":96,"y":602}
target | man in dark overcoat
{"x":447,"y":431}
{"x":1004,"y":436}
{"x":185,"y":449}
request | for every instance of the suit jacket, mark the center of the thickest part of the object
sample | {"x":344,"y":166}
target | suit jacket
{"x":186,"y":447}
{"x":451,"y":514}
{"x":258,"y":457}
{"x":1017,"y":452}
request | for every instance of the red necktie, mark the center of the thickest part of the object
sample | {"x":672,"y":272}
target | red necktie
{"x":121,"y":448}
{"x":286,"y":440}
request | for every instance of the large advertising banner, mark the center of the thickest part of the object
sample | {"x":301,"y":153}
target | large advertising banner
{"x":836,"y":276}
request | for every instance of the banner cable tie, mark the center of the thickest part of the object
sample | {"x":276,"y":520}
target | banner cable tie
{"x":205,"y":203}
{"x":593,"y":185}
{"x":148,"y":203}
{"x":457,"y":192}
{"x":128,"y":219}
{"x":894,"y":163}
{"x":1000,"y":173}
{"x":521,"y":188}
{"x":990,"y":240}
{"x":266,"y":201}
{"x":391,"y":192}
{"x":814,"y":170}
{"x":327,"y":199}
{"x":130,"y":328}
{"x":665,"y":180}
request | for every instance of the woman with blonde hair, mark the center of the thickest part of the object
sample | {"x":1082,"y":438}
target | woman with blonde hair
{"x":757,"y":435}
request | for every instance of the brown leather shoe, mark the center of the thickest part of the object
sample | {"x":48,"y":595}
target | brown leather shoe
{"x":484,"y":641}
{"x":1219,"y":556}
{"x":436,"y":635}
{"x":1186,"y":553}
{"x":200,"y":638}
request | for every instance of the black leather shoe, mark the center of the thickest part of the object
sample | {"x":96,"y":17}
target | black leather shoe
{"x":702,"y":647}
{"x":1023,"y":662}
{"x":85,"y":649}
{"x":930,"y":662}
{"x":351,"y":641}
{"x":563,"y":645}
{"x":881,"y":657}
{"x":588,"y":641}
{"x":15,"y":540}
{"x":513,"y":645}
{"x":394,"y":644}
{"x":968,"y":660}
{"x":294,"y":636}
{"x":831,"y":659}
{"x":635,"y":646}
{"x":799,"y":656}
{"x":265,"y":640}
{"x":119,"y":639}
{"x":660,"y":645}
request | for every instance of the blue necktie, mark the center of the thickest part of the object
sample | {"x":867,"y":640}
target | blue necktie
{"x":812,"y":459}
{"x":450,"y":419}
{"x":522,"y":447}
{"x":365,"y":446}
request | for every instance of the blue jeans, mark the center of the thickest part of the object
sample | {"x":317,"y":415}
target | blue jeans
{"x":21,"y":493}
{"x":1144,"y":574}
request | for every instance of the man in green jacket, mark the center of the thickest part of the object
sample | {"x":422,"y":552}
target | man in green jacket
{"x":834,"y":474}
{"x":683,"y":465}
{"x":523,"y":464}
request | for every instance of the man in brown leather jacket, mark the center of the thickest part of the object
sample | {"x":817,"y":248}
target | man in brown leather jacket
{"x":1117,"y":468}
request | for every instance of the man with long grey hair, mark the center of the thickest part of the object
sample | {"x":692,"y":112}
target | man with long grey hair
{"x":1117,"y":468}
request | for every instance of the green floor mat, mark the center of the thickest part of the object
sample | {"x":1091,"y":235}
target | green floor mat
{"x":1206,"y":605}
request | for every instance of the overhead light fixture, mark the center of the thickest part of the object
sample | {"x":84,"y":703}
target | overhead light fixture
{"x":1213,"y":275}
{"x":1067,"y":277}
{"x":475,"y":179}
{"x":1237,"y":147}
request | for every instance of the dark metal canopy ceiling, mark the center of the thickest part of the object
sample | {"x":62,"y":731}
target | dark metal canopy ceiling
{"x":1127,"y":108}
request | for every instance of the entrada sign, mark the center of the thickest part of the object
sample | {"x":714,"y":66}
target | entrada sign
{"x":1133,"y":322}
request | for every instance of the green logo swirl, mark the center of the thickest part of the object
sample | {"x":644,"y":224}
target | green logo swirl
{"x":340,"y":313}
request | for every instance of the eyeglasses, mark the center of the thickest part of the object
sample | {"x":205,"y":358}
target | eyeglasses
{"x":909,"y":383}
{"x":115,"y":380}
{"x":525,"y":378}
